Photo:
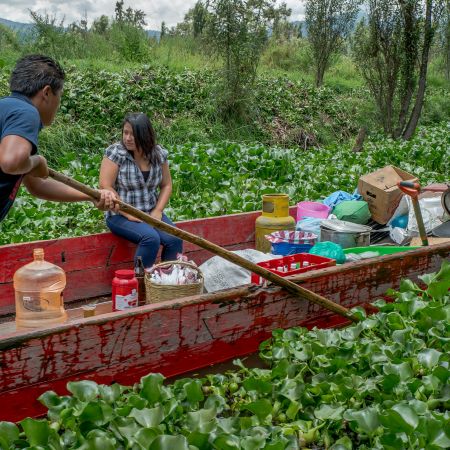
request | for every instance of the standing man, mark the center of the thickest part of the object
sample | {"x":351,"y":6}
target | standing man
{"x":36,"y":87}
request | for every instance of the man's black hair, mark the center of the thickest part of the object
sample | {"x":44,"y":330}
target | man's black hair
{"x":33,"y":72}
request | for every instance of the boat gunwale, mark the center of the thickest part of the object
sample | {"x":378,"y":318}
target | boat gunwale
{"x":14,"y":339}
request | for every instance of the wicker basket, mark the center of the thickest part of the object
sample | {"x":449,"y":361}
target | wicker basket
{"x":155,"y":293}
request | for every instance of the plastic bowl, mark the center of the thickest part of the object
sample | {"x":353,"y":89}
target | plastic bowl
{"x":312,"y":209}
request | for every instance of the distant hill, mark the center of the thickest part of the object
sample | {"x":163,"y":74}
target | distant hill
{"x":26,"y":27}
{"x":17,"y":26}
{"x":301,"y":24}
{"x":153,"y":34}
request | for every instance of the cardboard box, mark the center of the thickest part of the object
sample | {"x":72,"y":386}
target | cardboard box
{"x":379,"y":189}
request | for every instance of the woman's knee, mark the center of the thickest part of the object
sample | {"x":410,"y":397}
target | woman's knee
{"x":177,"y":243}
{"x":150,"y":239}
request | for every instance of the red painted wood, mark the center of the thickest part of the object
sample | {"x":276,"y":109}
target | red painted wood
{"x":90,"y":261}
{"x":183,"y":335}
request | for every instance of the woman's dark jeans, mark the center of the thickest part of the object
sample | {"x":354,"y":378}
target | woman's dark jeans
{"x":147,"y":238}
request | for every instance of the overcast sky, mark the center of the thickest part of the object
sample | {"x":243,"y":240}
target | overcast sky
{"x":169,"y":11}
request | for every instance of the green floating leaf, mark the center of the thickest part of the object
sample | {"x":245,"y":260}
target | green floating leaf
{"x":166,"y":442}
{"x":199,"y":440}
{"x":400,"y":418}
{"x":98,"y":413}
{"x":194,"y":391}
{"x":145,"y":436}
{"x":99,"y":443}
{"x":36,"y":431}
{"x":110,"y":393}
{"x":9,"y":432}
{"x":438,"y":284}
{"x":261,"y":408}
{"x":125,"y":427}
{"x":202,"y":420}
{"x":367,"y":419}
{"x":226,"y":442}
{"x":152,"y":387}
{"x":429,"y":357}
{"x":258,"y":385}
{"x":403,"y":370}
{"x":84,"y":391}
{"x":51,"y":399}
{"x":343,"y":443}
{"x":328,"y":412}
{"x":438,"y":432}
{"x":148,"y":417}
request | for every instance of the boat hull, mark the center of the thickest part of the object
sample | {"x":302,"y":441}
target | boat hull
{"x":183,"y":335}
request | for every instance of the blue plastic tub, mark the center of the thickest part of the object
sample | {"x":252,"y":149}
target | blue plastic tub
{"x":284,"y":248}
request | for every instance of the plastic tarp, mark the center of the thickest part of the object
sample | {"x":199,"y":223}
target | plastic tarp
{"x":220,"y":273}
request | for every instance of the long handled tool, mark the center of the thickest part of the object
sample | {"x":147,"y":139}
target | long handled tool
{"x":213,"y":248}
{"x":413,"y":190}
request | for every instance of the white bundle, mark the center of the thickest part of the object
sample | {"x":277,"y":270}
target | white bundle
{"x":359,"y":256}
{"x":176,"y":274}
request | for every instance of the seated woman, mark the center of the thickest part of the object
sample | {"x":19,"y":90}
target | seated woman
{"x":136,"y":169}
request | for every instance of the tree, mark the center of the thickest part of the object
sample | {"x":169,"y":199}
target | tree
{"x":237,"y":31}
{"x":194,"y":21}
{"x":447,"y":41}
{"x":377,"y":52}
{"x":443,"y":38}
{"x":49,"y":34}
{"x":163,"y":31}
{"x":130,"y":16}
{"x":8,"y":39}
{"x":199,"y":17}
{"x":328,"y":23}
{"x":392,"y":52}
{"x":282,"y":28}
{"x":100,"y":25}
{"x":119,"y":11}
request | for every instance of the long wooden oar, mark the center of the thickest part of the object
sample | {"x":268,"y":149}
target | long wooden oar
{"x":213,"y":248}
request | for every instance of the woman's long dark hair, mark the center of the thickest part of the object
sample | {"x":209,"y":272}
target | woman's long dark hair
{"x":144,"y":136}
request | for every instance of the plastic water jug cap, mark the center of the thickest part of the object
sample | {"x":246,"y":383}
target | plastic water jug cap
{"x":124,"y":274}
{"x":38,"y":254}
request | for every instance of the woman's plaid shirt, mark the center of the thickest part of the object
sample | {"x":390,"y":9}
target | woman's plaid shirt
{"x":130,"y":183}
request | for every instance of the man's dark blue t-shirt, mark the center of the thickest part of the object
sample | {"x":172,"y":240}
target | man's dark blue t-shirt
{"x":19,"y":117}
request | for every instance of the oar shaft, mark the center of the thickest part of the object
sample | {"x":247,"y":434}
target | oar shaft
{"x":213,"y":248}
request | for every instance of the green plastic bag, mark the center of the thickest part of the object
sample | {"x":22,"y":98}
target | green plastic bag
{"x":356,"y":211}
{"x":329,"y":250}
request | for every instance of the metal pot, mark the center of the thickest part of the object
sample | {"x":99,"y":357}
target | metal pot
{"x":346,"y":234}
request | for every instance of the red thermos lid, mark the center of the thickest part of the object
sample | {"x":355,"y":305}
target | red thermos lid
{"x":124,"y":274}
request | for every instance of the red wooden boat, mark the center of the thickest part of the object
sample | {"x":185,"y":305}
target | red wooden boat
{"x":177,"y":336}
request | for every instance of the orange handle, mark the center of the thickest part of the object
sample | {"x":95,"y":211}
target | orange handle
{"x":409,"y":188}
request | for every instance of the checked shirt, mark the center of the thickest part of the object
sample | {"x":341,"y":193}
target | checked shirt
{"x":130,"y":183}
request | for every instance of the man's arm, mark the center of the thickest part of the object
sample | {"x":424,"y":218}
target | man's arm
{"x":53,"y":190}
{"x":16,"y":158}
{"x":48,"y":189}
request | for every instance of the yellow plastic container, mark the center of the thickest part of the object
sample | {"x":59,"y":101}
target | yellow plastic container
{"x":275,"y":217}
{"x":38,"y":288}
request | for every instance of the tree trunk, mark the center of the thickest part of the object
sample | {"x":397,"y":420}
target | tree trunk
{"x":359,"y":143}
{"x":410,"y":55}
{"x":428,"y":37}
{"x":319,"y":74}
{"x":447,"y":44}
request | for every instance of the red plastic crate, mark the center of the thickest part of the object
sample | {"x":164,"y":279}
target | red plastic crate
{"x":293,"y":264}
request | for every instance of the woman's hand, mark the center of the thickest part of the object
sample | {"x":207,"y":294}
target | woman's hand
{"x":107,"y":201}
{"x":156,"y":214}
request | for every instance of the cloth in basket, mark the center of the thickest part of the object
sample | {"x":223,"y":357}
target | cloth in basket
{"x":172,"y":279}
